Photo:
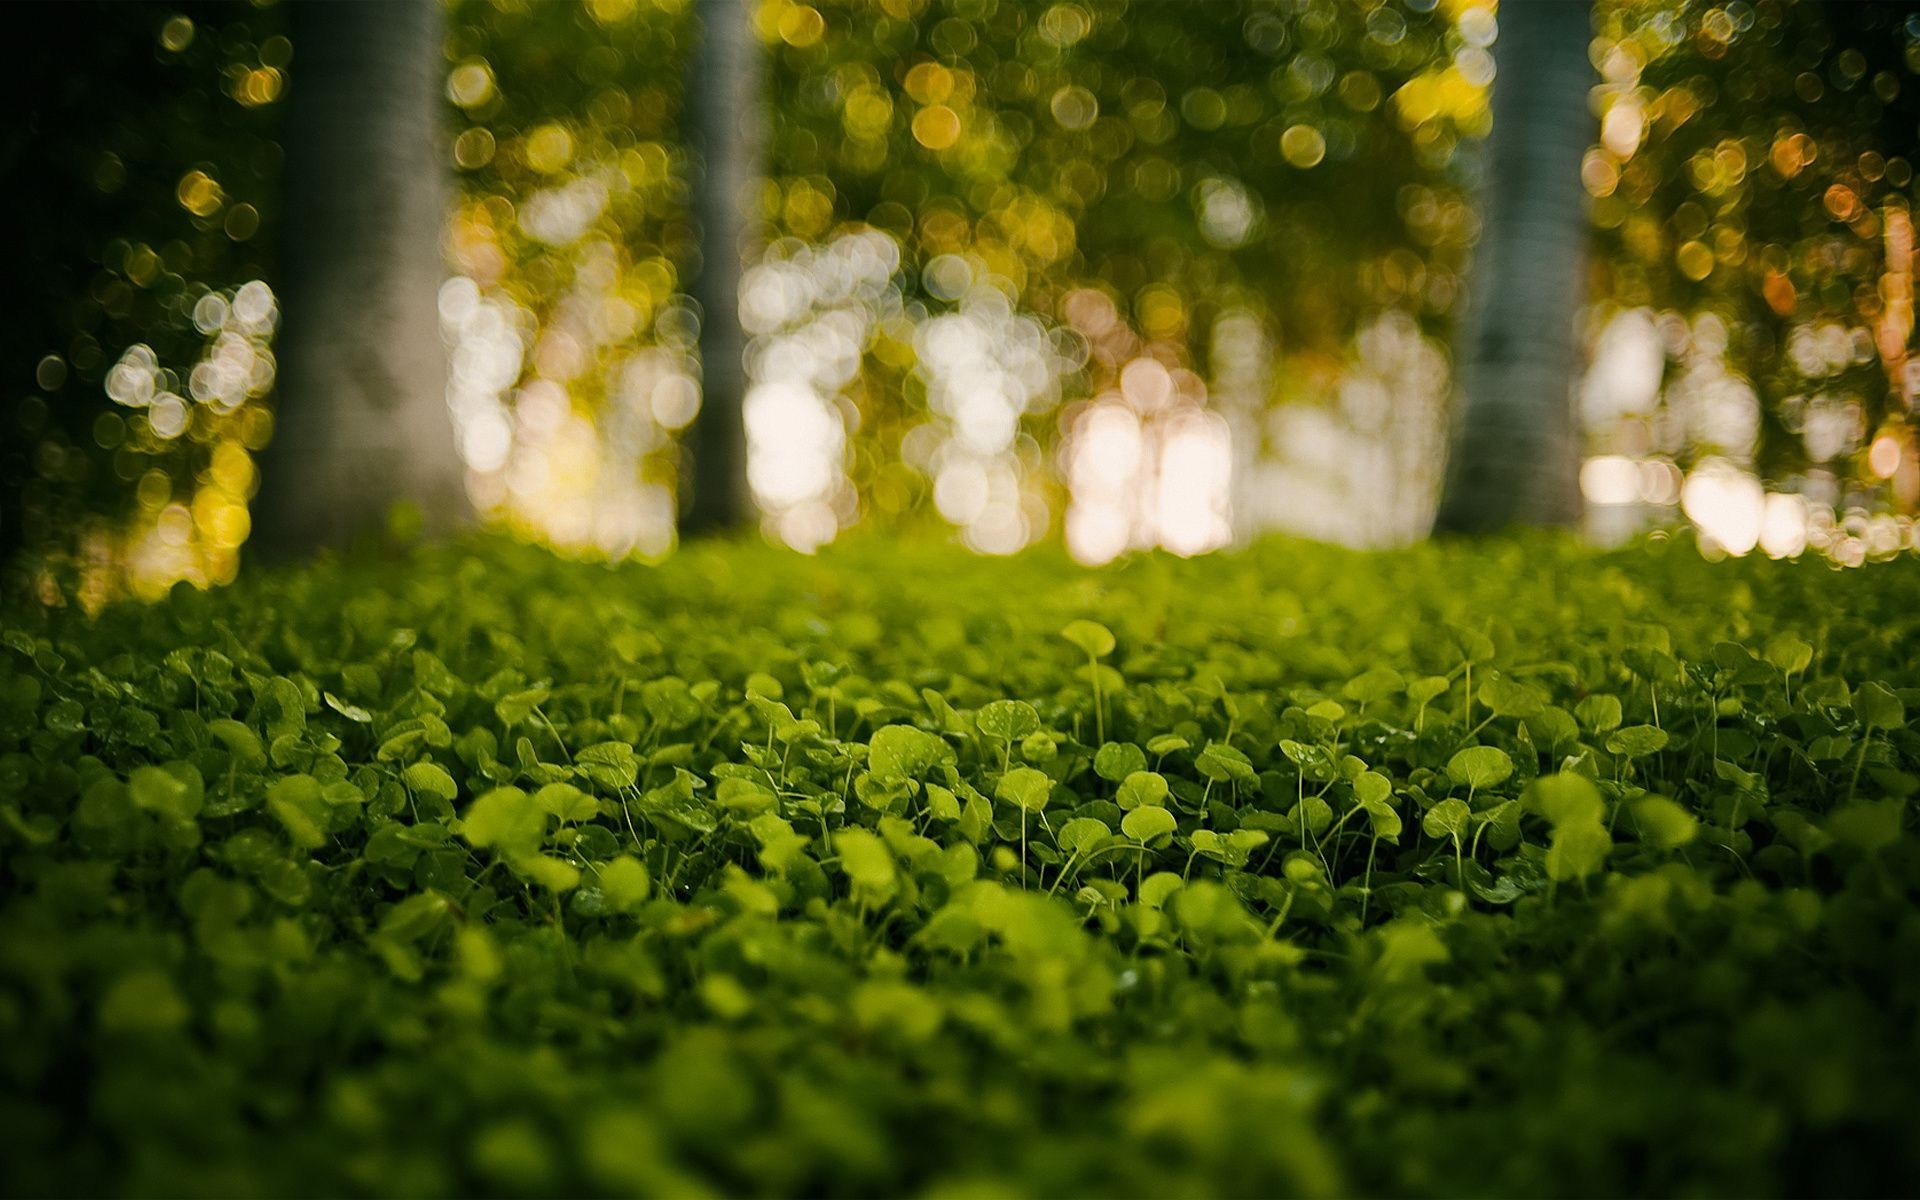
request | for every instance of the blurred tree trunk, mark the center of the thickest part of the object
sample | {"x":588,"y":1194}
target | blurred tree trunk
{"x":1516,"y":451}
{"x":723,"y":95}
{"x":361,"y":419}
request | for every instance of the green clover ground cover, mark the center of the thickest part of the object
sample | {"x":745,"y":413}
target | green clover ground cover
{"x":1501,"y":870}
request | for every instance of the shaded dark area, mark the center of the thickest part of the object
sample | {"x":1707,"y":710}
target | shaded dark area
{"x":104,"y":122}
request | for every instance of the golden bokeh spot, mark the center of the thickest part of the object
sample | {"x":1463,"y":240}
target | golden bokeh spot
{"x":1074,"y":107}
{"x":609,"y":12}
{"x":470,"y":84}
{"x":808,"y":210}
{"x":549,"y":148}
{"x":1418,"y":100}
{"x":200,"y":194}
{"x":260,"y":86}
{"x":177,"y":34}
{"x":1303,"y":146}
{"x":802,"y":25}
{"x":1695,"y":260}
{"x":232,"y":469}
{"x":1065,"y":24}
{"x":936,"y":127}
{"x":929,"y":83}
{"x":473,"y":149}
{"x":1785,"y":156}
{"x":1842,"y":202}
{"x":1599,"y":173}
{"x":1160,"y":311}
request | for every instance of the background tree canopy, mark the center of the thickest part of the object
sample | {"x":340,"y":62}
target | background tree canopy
{"x":1128,"y":273}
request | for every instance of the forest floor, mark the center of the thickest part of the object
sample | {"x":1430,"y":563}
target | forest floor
{"x":1505,"y":869}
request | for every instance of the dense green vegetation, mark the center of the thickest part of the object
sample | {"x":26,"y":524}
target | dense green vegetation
{"x":1499,"y":869}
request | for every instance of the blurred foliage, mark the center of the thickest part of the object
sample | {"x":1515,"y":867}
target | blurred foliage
{"x":1130,"y":179}
{"x":1175,"y":156}
{"x":573,"y":229}
{"x":1756,"y":162}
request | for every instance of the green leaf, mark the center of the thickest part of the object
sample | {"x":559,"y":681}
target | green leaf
{"x":506,"y":821}
{"x":1473,"y":645}
{"x":1447,"y":819}
{"x":1007,"y":720}
{"x":1663,"y":823}
{"x":1878,"y":707}
{"x":905,"y":752}
{"x":1313,"y":812}
{"x":1373,"y":685}
{"x":1157,"y":887}
{"x":297,"y":803}
{"x":1509,"y":698}
{"x":429,"y":779}
{"x":1223,"y":763}
{"x":1637,"y":741}
{"x":1039,"y":747}
{"x":161,"y":791}
{"x":1789,"y":653}
{"x":942,"y":804}
{"x":1148,"y":823}
{"x":612,"y":765}
{"x":352,"y":712}
{"x":1383,"y":820}
{"x":516,"y":707}
{"x":1117,"y":760}
{"x":1578,"y":849}
{"x":1480,"y":766}
{"x":1327,"y":710}
{"x":242,"y":743}
{"x":740,"y":795}
{"x":416,"y":917}
{"x":625,"y":883}
{"x":1566,"y":799}
{"x":1096,"y":641}
{"x":1081,"y":834}
{"x":867,"y":862}
{"x":567,"y":802}
{"x":1141,"y":788}
{"x":554,"y":874}
{"x":1372,"y":788}
{"x":1599,"y":713}
{"x":1025,"y":787}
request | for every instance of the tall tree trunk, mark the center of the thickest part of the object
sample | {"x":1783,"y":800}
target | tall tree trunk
{"x":1516,"y":452}
{"x":723,"y":93}
{"x":362,"y":419}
